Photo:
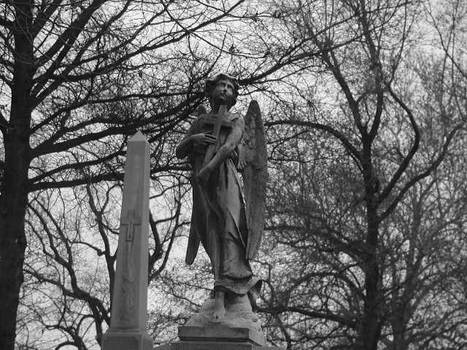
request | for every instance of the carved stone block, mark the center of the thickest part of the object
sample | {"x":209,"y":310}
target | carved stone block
{"x":126,"y":340}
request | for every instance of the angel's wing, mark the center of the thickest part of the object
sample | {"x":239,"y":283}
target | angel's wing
{"x":254,"y":176}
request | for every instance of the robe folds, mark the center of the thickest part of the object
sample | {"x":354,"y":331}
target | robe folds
{"x":218,"y":218}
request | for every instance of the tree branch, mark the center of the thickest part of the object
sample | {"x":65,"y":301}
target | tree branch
{"x":329,"y":129}
{"x":422,"y":175}
{"x":405,"y":162}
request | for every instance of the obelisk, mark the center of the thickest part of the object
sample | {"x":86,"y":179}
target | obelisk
{"x":129,"y":302}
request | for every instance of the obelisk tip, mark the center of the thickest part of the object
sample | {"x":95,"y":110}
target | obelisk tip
{"x":138,"y":137}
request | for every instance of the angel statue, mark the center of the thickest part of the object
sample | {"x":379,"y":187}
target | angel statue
{"x":227,"y":218}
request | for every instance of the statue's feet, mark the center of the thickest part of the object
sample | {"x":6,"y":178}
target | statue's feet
{"x":218,"y":313}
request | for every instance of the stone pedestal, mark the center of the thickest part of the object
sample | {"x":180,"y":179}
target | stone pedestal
{"x":221,"y":334}
{"x":238,"y":314}
{"x":217,"y":338}
{"x":240,"y":329}
{"x":213,"y":346}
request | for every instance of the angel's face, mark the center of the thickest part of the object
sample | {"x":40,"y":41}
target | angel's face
{"x":223,"y":92}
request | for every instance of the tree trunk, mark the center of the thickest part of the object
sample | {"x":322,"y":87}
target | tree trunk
{"x":370,"y":326}
{"x":370,"y":330}
{"x":13,"y":200}
{"x":14,"y":187}
{"x":399,"y":342}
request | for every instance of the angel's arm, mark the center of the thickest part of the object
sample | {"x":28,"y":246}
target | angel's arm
{"x":183,"y":147}
{"x":194,"y":141}
{"x":232,"y":141}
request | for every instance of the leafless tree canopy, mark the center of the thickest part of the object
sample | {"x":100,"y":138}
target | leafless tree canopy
{"x":365,"y":110}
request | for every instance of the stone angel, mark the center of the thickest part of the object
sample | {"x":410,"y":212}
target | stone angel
{"x":228,"y":214}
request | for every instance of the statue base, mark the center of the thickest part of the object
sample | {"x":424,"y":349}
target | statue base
{"x":221,"y":334}
{"x":238,"y":314}
{"x":239,"y":329}
{"x":213,"y":346}
{"x":217,"y":338}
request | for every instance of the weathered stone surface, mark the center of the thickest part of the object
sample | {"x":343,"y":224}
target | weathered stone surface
{"x":129,"y":303}
{"x":221,"y":334}
{"x":206,"y":345}
{"x":238,"y":314}
{"x":227,"y":219}
{"x":126,"y":340}
{"x":227,"y":215}
{"x":217,"y":338}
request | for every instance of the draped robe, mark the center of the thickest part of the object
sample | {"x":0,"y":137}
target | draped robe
{"x":218,"y":218}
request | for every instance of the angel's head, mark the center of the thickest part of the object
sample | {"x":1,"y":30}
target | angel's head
{"x":222,"y":89}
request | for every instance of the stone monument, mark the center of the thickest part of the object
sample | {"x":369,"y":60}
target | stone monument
{"x":129,"y":302}
{"x":227,"y":219}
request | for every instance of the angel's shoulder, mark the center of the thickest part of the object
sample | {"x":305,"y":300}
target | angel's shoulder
{"x":233,"y":116}
{"x":197,"y":121}
{"x":197,"y":118}
{"x":236,"y":119}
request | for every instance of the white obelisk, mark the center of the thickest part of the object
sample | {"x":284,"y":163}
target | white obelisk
{"x":129,"y":303}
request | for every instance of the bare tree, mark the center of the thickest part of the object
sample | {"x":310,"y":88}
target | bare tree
{"x":79,"y":77}
{"x":61,"y":61}
{"x":71,"y":260}
{"x":367,"y":108}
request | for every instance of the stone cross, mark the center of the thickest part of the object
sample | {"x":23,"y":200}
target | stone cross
{"x":129,"y":302}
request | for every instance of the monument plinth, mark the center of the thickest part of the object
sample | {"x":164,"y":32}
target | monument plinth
{"x":129,"y":302}
{"x":217,"y":337}
{"x":221,"y":334}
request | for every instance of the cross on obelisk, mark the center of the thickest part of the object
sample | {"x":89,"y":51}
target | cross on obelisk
{"x":129,"y":302}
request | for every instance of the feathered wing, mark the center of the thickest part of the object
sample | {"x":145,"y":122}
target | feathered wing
{"x":253,"y":161}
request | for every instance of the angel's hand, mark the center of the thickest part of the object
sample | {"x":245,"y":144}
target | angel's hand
{"x":241,"y":164}
{"x":202,"y":139}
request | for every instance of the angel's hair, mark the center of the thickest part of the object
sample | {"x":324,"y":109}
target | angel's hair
{"x":211,"y":84}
